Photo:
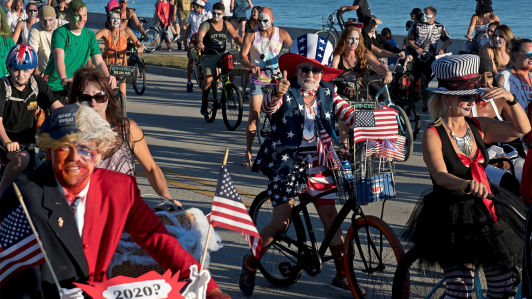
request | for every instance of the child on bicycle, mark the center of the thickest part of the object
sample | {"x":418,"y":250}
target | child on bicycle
{"x":21,"y":93}
{"x":294,"y":155}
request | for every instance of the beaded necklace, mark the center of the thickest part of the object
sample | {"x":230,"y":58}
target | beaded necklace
{"x":464,"y":143}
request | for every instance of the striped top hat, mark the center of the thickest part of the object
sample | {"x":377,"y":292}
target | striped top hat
{"x":457,"y":75}
{"x":309,"y":48}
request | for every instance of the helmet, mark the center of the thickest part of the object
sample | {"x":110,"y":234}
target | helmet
{"x":22,"y":57}
{"x":111,"y":5}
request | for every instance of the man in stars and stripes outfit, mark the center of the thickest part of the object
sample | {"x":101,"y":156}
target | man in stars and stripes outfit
{"x":295,"y":155}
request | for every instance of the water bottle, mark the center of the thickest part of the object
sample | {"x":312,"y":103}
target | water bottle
{"x":346,"y":173}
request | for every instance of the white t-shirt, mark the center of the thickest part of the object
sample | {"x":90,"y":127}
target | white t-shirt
{"x":13,"y":19}
{"x":80,"y":209}
{"x":227,"y":5}
{"x":196,"y":19}
{"x":41,"y":40}
{"x":520,"y":89}
{"x":308,"y":126}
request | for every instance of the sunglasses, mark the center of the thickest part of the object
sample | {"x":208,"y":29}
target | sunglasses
{"x":99,"y":97}
{"x":527,"y":54}
{"x":34,"y":10}
{"x":307,"y":70}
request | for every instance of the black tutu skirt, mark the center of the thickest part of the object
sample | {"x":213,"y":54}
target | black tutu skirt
{"x":453,"y":228}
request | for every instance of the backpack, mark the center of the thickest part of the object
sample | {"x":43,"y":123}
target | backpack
{"x":9,"y":97}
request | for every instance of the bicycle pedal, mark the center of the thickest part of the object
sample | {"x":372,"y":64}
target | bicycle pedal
{"x":285,"y":268}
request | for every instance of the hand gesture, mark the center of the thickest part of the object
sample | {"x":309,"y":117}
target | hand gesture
{"x":495,"y":93}
{"x":255,"y":70}
{"x":283,"y":86}
{"x":12,"y":146}
{"x":477,"y":189}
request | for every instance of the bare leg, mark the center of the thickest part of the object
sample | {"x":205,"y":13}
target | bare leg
{"x":245,"y":80}
{"x":242,"y":29}
{"x":18,"y":161}
{"x":123,"y":89}
{"x":327,"y":215}
{"x":255,"y":102}
{"x":280,"y":221}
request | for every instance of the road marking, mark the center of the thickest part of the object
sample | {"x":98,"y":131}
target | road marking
{"x":193,"y":188}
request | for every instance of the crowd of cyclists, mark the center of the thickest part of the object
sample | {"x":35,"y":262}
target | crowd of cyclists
{"x":50,"y":61}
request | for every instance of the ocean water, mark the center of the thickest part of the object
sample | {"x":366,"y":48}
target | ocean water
{"x":455,"y":15}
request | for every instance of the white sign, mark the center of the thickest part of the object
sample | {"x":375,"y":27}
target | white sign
{"x":150,"y":289}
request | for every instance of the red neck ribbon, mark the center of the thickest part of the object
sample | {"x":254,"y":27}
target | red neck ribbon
{"x":479,"y":174}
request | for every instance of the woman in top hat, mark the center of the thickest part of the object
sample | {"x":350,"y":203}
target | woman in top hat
{"x":455,"y":225}
{"x":294,"y":155}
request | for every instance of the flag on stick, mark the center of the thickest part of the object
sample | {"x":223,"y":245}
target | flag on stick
{"x":229,"y":212}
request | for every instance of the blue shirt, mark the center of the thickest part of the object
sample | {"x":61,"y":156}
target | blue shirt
{"x":393,"y":60}
{"x":208,"y":6}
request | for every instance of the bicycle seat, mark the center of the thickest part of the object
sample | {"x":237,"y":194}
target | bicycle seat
{"x":142,"y":20}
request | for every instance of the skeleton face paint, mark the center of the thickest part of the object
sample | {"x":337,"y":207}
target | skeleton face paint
{"x":498,"y":39}
{"x":48,"y":23}
{"x":197,"y":9}
{"x":264,"y":21}
{"x":217,"y":15}
{"x":33,"y":12}
{"x":115,"y":20}
{"x":353,"y":40}
{"x":427,"y":17}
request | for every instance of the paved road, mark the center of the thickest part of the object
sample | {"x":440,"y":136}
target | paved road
{"x":190,"y":152}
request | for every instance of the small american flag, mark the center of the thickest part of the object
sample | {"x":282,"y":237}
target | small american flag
{"x":19,"y":249}
{"x":375,"y":124}
{"x":229,"y":212}
{"x":394,"y":149}
{"x":373,"y":148}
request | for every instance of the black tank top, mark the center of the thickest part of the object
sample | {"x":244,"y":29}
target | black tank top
{"x":343,"y":88}
{"x":215,"y":40}
{"x":454,"y":165}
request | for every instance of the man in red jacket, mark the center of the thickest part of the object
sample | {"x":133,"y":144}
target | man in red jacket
{"x":80,"y":212}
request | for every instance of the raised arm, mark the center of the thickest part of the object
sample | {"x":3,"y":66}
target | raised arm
{"x":474,"y":20}
{"x":233,"y":33}
{"x":18,"y":31}
{"x":381,"y":69}
{"x":139,"y":24}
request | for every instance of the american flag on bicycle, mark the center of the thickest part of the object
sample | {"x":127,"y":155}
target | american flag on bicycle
{"x":373,"y":148}
{"x":229,"y":212}
{"x":375,"y":124}
{"x":394,"y":149}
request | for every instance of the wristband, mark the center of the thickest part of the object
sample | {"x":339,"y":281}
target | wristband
{"x":463,"y":190}
{"x":7,"y":141}
{"x":515,"y":101}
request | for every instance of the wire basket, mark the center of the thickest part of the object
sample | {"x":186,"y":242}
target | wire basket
{"x":373,"y":177}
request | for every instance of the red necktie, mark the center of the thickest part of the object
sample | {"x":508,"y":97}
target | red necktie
{"x":479,"y":174}
{"x":73,"y":201}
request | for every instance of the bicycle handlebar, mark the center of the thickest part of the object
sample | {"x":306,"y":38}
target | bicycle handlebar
{"x":504,"y":203}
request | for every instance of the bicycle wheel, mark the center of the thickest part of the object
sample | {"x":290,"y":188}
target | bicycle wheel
{"x":330,"y":35}
{"x":232,"y":107}
{"x":413,"y":115}
{"x":263,"y":127}
{"x":139,"y":83}
{"x":371,"y":255}
{"x":121,"y":100}
{"x":411,"y":281}
{"x":155,"y":40}
{"x":212,"y":105}
{"x":405,"y":130}
{"x":261,"y":213}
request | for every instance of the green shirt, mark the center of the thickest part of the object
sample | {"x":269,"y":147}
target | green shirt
{"x":5,"y":45}
{"x":78,"y":49}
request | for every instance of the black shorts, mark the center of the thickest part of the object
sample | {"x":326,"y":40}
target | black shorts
{"x":229,"y":18}
{"x":239,"y":20}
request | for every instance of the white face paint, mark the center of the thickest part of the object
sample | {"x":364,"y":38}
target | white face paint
{"x":427,"y":17}
{"x":196,"y":8}
{"x":498,"y":39}
{"x":48,"y":23}
{"x":264,"y":21}
{"x":115,"y":20}
{"x":353,"y":40}
{"x":217,"y":15}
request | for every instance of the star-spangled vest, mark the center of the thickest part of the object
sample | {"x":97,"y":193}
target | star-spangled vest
{"x":279,"y":151}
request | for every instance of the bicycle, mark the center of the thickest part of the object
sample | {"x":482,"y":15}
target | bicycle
{"x":154,"y":37}
{"x":371,"y":247}
{"x":231,"y":97}
{"x":411,"y":281}
{"x":197,"y":67}
{"x":331,"y":34}
{"x":139,"y":76}
{"x":121,"y":71}
{"x":264,"y":118}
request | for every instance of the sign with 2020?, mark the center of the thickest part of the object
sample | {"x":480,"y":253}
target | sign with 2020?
{"x":149,"y":289}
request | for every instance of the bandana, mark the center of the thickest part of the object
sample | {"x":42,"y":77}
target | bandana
{"x":309,"y":93}
{"x":459,"y":84}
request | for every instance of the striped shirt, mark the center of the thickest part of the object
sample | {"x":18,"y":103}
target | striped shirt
{"x":426,"y":36}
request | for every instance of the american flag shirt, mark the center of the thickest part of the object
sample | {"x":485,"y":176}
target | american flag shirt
{"x":280,"y":149}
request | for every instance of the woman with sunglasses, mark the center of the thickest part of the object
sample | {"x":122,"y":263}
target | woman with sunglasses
{"x":90,"y":86}
{"x":22,"y":31}
{"x":16,"y":14}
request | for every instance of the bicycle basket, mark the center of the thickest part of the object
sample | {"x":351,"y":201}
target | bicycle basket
{"x":230,"y":65}
{"x":123,"y":71}
{"x":374,"y":179}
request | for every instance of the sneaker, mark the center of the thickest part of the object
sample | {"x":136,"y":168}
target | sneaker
{"x":176,"y":38}
{"x":186,"y":48}
{"x":425,"y":111}
{"x":189,"y":87}
{"x":203,"y":109}
{"x":179,"y":47}
{"x":247,"y":279}
{"x":169,"y":50}
{"x":340,"y":284}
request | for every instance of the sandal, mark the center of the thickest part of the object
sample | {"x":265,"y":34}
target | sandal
{"x":246,"y":163}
